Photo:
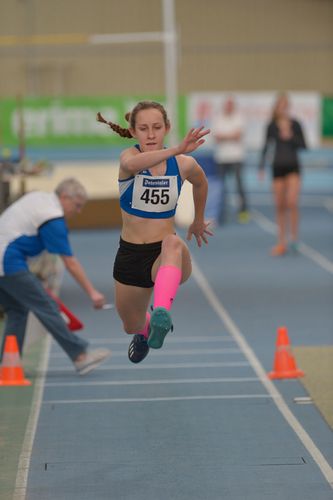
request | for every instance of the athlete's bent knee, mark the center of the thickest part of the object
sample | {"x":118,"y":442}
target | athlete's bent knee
{"x":172,"y":242}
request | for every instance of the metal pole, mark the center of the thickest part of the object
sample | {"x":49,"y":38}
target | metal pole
{"x":170,"y":67}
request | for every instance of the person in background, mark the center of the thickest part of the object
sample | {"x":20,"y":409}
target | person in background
{"x":152,"y":258}
{"x":229,"y":154}
{"x":284,"y":139}
{"x":34,"y":223}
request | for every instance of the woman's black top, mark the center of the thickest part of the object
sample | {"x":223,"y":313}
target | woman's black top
{"x":282,"y":154}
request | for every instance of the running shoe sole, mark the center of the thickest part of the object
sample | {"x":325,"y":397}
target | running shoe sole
{"x":160,"y":325}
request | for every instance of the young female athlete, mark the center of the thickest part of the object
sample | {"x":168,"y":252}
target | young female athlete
{"x":152,"y":258}
{"x":285,"y":137}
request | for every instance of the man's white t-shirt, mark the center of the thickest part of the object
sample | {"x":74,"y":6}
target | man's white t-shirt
{"x":30,"y":225}
{"x":228,"y":151}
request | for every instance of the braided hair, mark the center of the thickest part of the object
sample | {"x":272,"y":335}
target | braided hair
{"x":123,"y":132}
{"x":131,"y":118}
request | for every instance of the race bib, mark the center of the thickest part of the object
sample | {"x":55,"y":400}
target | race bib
{"x":155,"y":194}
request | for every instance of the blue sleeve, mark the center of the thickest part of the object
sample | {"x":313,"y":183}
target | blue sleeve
{"x":54,"y":234}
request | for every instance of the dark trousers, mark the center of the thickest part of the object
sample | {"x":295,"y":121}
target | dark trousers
{"x":235,"y":169}
{"x":23,"y":292}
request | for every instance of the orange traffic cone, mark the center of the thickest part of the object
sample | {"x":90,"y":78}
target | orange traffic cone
{"x":284,"y":361}
{"x":282,"y":338}
{"x":11,"y":371}
{"x":72,"y":321}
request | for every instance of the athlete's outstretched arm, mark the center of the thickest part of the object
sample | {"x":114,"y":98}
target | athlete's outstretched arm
{"x":132,"y":161}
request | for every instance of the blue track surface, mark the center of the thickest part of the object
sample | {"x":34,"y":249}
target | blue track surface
{"x":197,"y":420}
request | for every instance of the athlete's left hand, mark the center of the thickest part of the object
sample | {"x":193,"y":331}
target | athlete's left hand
{"x":200,"y":230}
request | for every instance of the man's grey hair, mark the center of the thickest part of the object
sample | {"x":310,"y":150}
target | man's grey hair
{"x":72,"y":188}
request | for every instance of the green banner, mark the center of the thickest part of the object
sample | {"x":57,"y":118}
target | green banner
{"x":68,"y":121}
{"x":327,"y":117}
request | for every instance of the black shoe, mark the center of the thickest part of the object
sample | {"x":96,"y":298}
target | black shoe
{"x":138,"y":348}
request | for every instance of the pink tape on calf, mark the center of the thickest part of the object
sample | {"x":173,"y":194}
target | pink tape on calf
{"x":145,"y":330}
{"x":166,"y":285}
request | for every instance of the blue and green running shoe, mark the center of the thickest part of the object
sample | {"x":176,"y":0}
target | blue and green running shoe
{"x":160,"y":325}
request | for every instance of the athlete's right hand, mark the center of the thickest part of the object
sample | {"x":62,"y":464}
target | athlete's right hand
{"x":193,"y":140}
{"x":199,"y":229}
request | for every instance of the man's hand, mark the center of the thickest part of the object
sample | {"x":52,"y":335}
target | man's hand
{"x":97,"y":299}
{"x":200,"y":231}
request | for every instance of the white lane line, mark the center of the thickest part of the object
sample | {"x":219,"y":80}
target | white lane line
{"x":231,"y":326}
{"x":317,"y":257}
{"x":263,"y":221}
{"x":25,"y":456}
{"x":159,"y":366}
{"x":306,"y":250}
{"x":171,"y":339}
{"x":169,"y":352}
{"x":153,"y":400}
{"x":207,"y":380}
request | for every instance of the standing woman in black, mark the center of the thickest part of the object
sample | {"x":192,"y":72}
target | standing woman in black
{"x":284,"y":139}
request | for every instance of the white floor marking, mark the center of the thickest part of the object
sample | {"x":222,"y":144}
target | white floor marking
{"x":159,"y":366}
{"x":306,"y":250}
{"x":260,"y":372}
{"x":317,"y":257}
{"x":25,"y":456}
{"x":153,"y":400}
{"x":168,"y":352}
{"x":89,"y":383}
{"x":125,"y":339}
{"x":263,"y":221}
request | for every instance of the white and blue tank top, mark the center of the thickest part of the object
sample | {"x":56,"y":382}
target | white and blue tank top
{"x":150,"y":196}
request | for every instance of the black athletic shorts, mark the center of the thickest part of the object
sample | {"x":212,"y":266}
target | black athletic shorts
{"x":133,"y":263}
{"x":283,"y":171}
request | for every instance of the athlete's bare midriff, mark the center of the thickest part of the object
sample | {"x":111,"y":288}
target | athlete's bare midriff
{"x":143,"y":230}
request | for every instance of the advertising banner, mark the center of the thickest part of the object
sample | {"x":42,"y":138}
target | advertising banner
{"x":256,"y":108}
{"x":53,"y":122}
{"x":328,"y":117}
{"x":49,"y":122}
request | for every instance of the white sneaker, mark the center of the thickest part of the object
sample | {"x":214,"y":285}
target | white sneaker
{"x":91,"y":361}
